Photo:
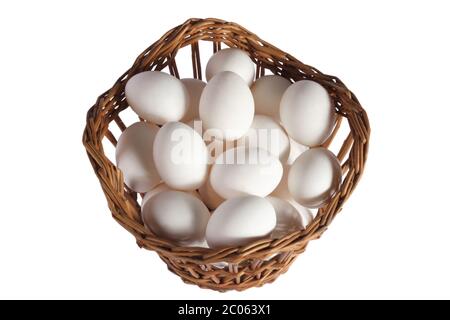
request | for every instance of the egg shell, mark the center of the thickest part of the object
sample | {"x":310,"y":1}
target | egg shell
{"x":163,"y":187}
{"x":176,"y":215}
{"x":231,"y":59}
{"x":195,"y":88}
{"x":239,"y":221}
{"x":306,"y":113}
{"x":267,"y":134}
{"x":159,"y":188}
{"x":267,"y":92}
{"x":226,"y":106}
{"x":314,"y":177}
{"x":282,"y":192}
{"x":180,"y":156}
{"x":288,"y":217}
{"x":243,"y":171}
{"x":134,"y":156}
{"x":157,"y":96}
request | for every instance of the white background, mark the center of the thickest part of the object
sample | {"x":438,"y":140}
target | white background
{"x":57,"y":238}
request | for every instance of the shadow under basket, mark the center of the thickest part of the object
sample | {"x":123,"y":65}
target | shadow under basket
{"x":259,"y":262}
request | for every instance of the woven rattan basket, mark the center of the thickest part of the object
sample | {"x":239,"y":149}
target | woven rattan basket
{"x":259,"y":262}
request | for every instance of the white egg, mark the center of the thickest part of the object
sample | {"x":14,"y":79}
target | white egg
{"x":288,"y":217}
{"x":306,"y":113}
{"x":195,"y":88}
{"x":157,"y":96}
{"x":239,"y":221}
{"x":209,"y":195}
{"x":176,"y":215}
{"x":180,"y":156}
{"x":159,"y":188}
{"x":245,"y":171}
{"x":267,"y":134}
{"x":267,"y":92}
{"x":226,"y":106}
{"x":231,"y":59}
{"x":314,"y":177}
{"x":163,"y":187}
{"x":295,"y":150}
{"x":282,"y":192}
{"x":134,"y":156}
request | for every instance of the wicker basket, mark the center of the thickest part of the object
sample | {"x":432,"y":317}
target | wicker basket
{"x":259,"y":262}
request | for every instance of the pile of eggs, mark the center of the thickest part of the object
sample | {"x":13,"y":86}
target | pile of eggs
{"x":230,"y":161}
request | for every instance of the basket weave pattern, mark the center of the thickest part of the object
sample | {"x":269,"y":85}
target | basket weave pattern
{"x":259,"y":262}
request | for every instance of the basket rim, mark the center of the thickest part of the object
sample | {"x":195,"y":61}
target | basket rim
{"x":109,"y":104}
